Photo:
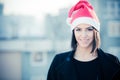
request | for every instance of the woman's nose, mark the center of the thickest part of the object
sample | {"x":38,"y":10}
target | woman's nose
{"x":83,"y":34}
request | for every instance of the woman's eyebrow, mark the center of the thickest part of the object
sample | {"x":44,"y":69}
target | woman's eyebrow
{"x":78,"y":27}
{"x":90,"y":27}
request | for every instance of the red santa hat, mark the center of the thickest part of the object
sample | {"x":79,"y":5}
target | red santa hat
{"x":83,"y":12}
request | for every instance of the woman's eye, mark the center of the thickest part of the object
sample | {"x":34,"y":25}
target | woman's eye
{"x":77,"y":29}
{"x":90,"y":29}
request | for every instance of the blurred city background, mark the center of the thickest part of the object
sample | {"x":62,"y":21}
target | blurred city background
{"x":32,"y":32}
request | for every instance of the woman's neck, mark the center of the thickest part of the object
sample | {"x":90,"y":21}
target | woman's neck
{"x":84,"y":54}
{"x":84,"y":51}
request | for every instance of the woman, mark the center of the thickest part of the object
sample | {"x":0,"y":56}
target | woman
{"x":86,"y":61}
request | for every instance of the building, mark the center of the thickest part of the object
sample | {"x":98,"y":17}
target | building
{"x":109,"y":12}
{"x":24,"y":48}
{"x":1,"y":9}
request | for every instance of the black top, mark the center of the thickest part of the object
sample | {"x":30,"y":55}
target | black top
{"x":62,"y":67}
{"x":86,"y":70}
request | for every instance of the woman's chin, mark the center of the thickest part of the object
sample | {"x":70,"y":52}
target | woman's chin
{"x":84,"y":45}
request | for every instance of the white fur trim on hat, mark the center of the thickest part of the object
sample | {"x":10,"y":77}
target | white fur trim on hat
{"x":85,"y":20}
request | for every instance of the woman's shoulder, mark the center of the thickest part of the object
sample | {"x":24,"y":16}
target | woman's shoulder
{"x":113,"y":57}
{"x":60,"y":59}
{"x":62,"y":55}
{"x":110,"y":56}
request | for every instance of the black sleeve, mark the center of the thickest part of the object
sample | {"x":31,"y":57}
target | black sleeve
{"x":52,"y":70}
{"x":117,"y":60}
{"x":114,"y":58}
{"x":117,"y":75}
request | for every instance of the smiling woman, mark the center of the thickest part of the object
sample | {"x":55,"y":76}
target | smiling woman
{"x":86,"y":61}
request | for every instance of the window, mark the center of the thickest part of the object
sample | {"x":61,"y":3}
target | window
{"x":38,"y":59}
{"x":38,"y":77}
{"x":114,"y":28}
{"x":113,"y":9}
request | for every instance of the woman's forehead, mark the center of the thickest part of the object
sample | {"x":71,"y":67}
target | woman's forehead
{"x":83,"y":26}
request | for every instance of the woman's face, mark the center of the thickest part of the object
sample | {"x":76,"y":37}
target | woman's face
{"x":84,"y":35}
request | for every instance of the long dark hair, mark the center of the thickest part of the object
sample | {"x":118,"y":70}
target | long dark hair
{"x":96,"y":41}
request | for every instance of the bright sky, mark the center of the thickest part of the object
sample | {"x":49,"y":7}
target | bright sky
{"x":35,"y":7}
